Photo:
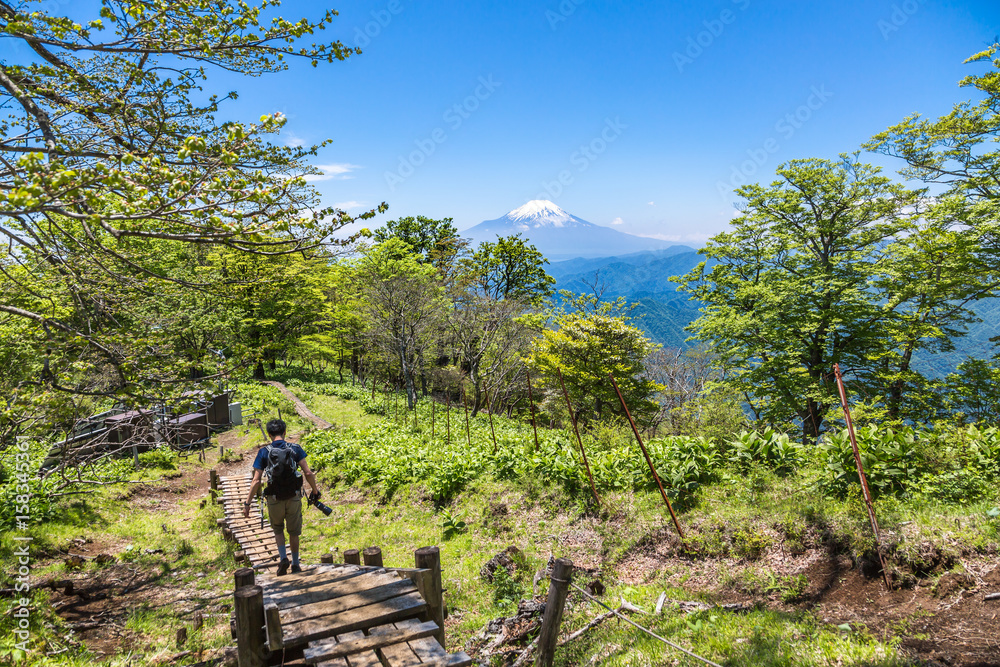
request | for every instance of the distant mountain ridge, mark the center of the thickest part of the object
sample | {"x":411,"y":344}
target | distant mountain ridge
{"x":560,"y":235}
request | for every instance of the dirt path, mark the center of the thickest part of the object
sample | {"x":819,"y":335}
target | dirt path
{"x":300,"y":407}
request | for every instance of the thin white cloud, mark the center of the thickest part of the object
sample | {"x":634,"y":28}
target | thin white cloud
{"x":652,"y":203}
{"x":294,"y":141}
{"x":338,"y":172}
{"x":349,"y":205}
{"x":618,"y":221}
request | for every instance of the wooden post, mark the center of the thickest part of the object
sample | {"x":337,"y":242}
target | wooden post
{"x":429,"y":558}
{"x":373,"y":557}
{"x":489,"y":412}
{"x":352,"y":557}
{"x":415,"y":424}
{"x":243,"y":577}
{"x":326,"y":559}
{"x":447,"y":416}
{"x":583,"y":451}
{"x":531,"y":404}
{"x":433,"y":402}
{"x":222,"y":452}
{"x":465,"y":400}
{"x":213,"y":480}
{"x":227,"y":534}
{"x":562,"y":574}
{"x":249,"y":606}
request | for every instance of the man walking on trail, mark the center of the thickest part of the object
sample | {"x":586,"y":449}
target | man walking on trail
{"x":285,"y":466}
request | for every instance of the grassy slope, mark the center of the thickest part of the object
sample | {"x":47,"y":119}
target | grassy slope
{"x":628,"y":543}
{"x":762,"y":515}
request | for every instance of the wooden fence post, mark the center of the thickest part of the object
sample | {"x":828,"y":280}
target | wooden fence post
{"x":249,"y":606}
{"x":429,"y":558}
{"x":562,"y":574}
{"x":372,"y":556}
{"x":213,"y":480}
{"x":326,"y":559}
{"x":243,"y":577}
{"x":352,"y":557}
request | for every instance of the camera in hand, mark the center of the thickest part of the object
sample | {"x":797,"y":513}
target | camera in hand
{"x":314,"y":501}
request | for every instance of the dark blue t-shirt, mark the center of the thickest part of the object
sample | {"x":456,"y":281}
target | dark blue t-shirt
{"x":260,"y":463}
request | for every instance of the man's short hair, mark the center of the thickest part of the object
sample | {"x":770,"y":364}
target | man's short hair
{"x":275,"y":427}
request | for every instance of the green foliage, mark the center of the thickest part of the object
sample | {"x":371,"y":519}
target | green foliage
{"x":829,"y":265}
{"x":159,"y":458}
{"x":749,"y":542}
{"x":507,"y":588}
{"x":770,"y":448}
{"x":589,"y":345}
{"x":452,"y":524}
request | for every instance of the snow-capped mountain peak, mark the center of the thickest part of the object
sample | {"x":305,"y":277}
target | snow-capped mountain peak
{"x":560,"y":235}
{"x":540,"y":210}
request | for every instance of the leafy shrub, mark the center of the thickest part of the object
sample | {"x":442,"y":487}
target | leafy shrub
{"x":750,"y":543}
{"x":159,"y":458}
{"x":770,"y":448}
{"x":890,"y":459}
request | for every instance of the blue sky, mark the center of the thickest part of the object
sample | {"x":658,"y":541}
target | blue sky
{"x":641,"y":114}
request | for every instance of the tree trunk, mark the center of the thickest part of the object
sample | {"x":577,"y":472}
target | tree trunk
{"x":258,"y":372}
{"x":411,"y":391}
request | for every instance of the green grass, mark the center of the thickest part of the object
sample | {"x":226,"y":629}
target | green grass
{"x":732,"y":522}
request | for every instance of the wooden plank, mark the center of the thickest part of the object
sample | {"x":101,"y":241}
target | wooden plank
{"x":327,"y":649}
{"x":339,"y":588}
{"x":432,"y":654}
{"x":368,"y":659}
{"x":272,"y":623}
{"x":397,"y":655}
{"x":296,"y":582}
{"x":347,"y":602}
{"x":388,"y":611}
{"x":309,"y":573}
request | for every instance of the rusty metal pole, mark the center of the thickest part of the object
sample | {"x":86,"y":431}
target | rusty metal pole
{"x":645,"y":453}
{"x":583,"y":451}
{"x":861,"y":471}
{"x":531,"y":403}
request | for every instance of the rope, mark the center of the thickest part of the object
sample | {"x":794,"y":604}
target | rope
{"x":646,"y":630}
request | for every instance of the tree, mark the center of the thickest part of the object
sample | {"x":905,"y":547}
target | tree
{"x":509,"y":269}
{"x":404,"y":304}
{"x":494,"y":291}
{"x":956,"y":154}
{"x":433,"y":241}
{"x":833,"y":263}
{"x":588,"y":343}
{"x":106,"y":149}
{"x":973,"y":391}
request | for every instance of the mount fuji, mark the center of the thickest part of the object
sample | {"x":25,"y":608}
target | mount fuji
{"x":559,"y":235}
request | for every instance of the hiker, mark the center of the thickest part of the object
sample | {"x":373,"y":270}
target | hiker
{"x":285,"y":466}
